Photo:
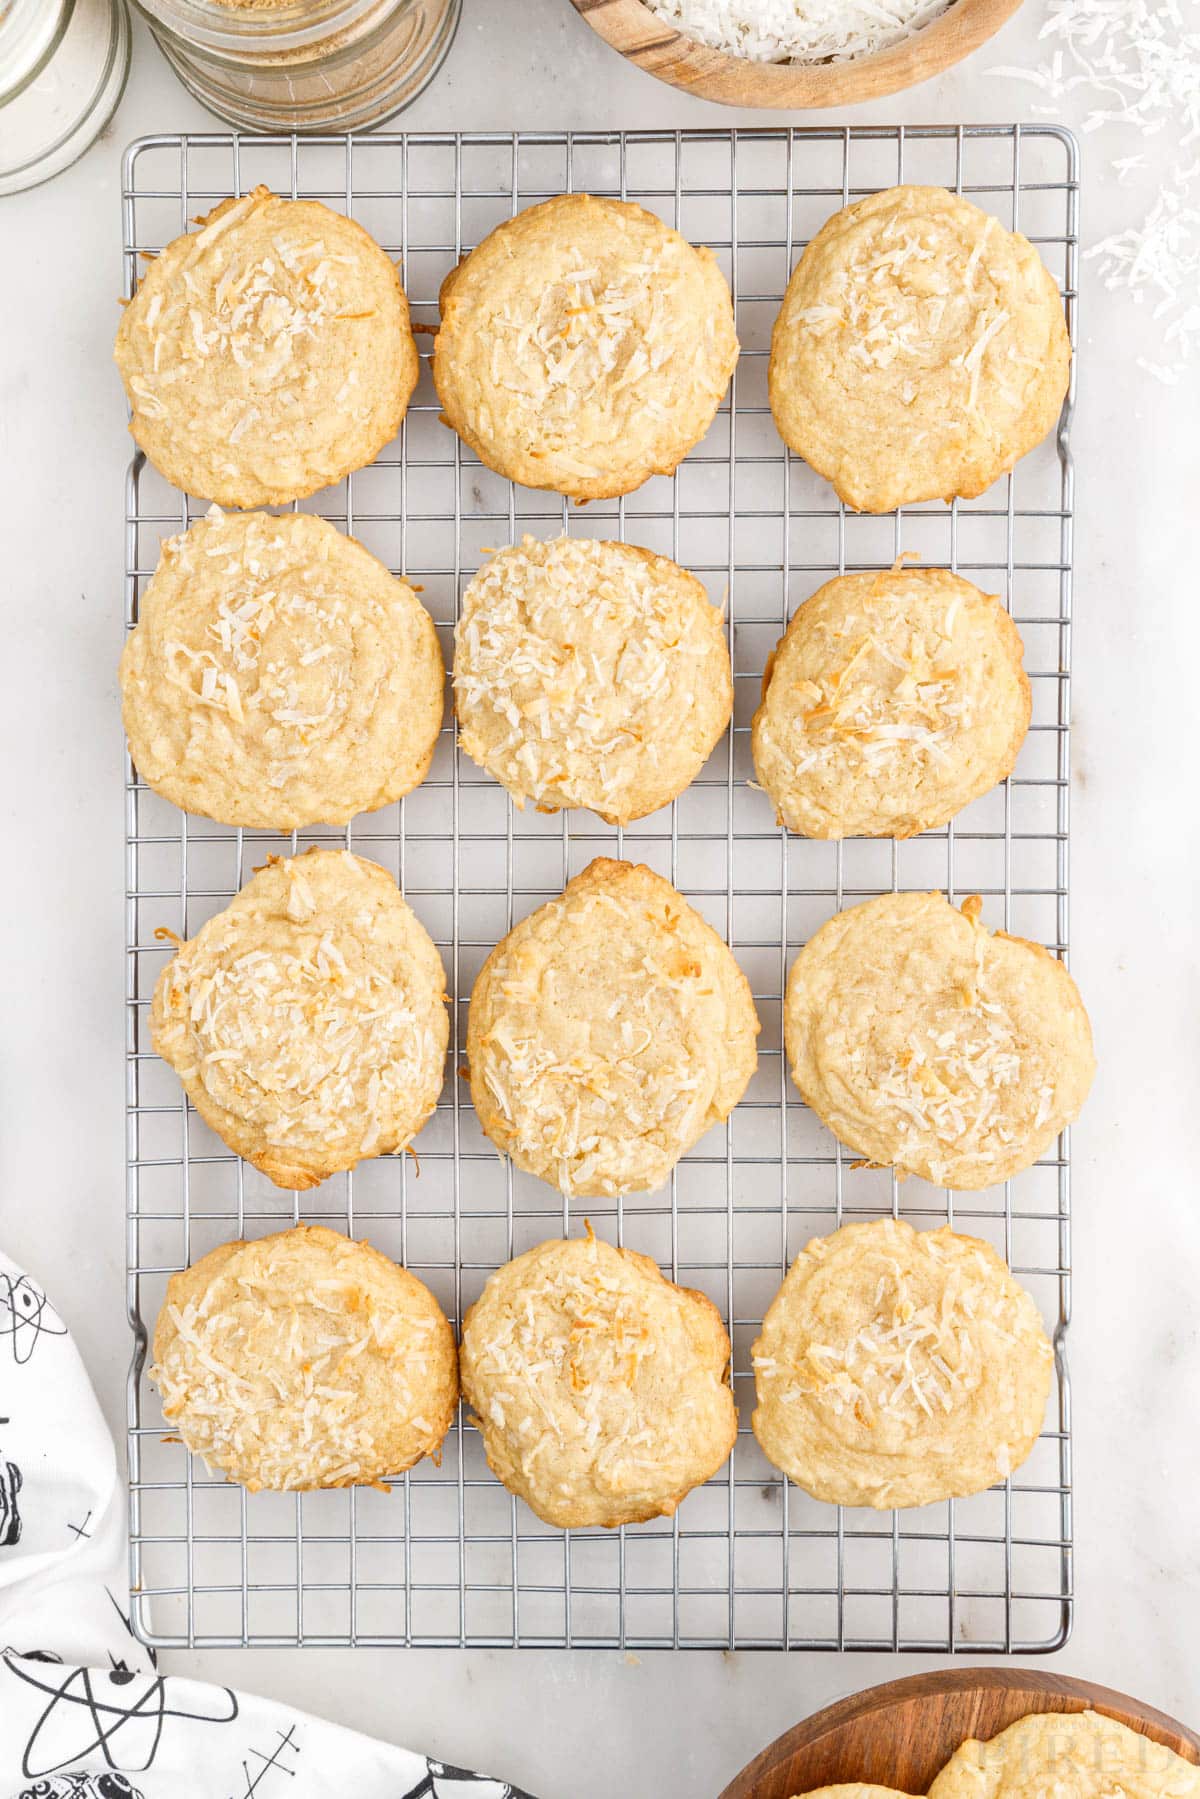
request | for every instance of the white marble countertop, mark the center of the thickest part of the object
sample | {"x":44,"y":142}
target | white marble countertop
{"x":589,"y":1725}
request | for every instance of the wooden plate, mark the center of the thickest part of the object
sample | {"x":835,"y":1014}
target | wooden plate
{"x":653,"y":44}
{"x":902,"y":1734}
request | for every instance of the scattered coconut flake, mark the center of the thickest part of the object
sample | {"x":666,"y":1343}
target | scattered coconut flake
{"x":807,"y":31}
{"x":1135,"y":64}
{"x":1158,"y":258}
{"x":1132,"y":62}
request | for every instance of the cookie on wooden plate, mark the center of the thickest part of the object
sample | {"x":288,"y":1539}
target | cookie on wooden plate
{"x":920,"y":351}
{"x":1084,"y":1754}
{"x":278,"y":675}
{"x":853,"y":1789}
{"x":307,"y":1021}
{"x":267,"y":354}
{"x":928,"y":1043}
{"x":304,"y":1360}
{"x":608,"y":1031}
{"x":890,"y":703}
{"x":601,"y":1388}
{"x":584,"y":346}
{"x":898,"y":1367}
{"x":590,"y":674}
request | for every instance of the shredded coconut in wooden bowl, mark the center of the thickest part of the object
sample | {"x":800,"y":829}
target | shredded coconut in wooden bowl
{"x":798,"y":30}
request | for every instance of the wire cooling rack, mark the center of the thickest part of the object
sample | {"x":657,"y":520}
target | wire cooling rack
{"x":447,"y":1557}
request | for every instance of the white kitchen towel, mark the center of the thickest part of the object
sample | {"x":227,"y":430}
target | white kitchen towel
{"x":84,"y":1712}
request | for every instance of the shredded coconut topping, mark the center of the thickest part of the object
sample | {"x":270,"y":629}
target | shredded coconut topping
{"x":634,"y":1078}
{"x":901,"y":690}
{"x":279,"y":674}
{"x":914,"y":307}
{"x":576,"y":1346}
{"x":584,"y":675}
{"x":909,"y":1355}
{"x":893,"y":700}
{"x":584,"y":346}
{"x":607,"y":1033}
{"x":958,"y":1077}
{"x":599,"y":1386}
{"x":263,"y":348}
{"x":292,"y":705}
{"x":903,"y":299}
{"x":929,"y":1043}
{"x":593,"y":334}
{"x":258,"y":308}
{"x":274,"y":1377}
{"x":896,"y":1366}
{"x":303,"y":1013}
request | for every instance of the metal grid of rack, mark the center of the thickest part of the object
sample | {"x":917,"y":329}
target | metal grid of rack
{"x":448,"y":1557}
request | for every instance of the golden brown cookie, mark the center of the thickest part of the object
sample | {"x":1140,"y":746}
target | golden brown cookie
{"x":278,"y":675}
{"x":891,"y":701}
{"x":601,"y":1389}
{"x":607,"y":1032}
{"x":304,"y":1360}
{"x":590,"y":674}
{"x":899,"y":1367}
{"x":267,"y":354}
{"x":1080,"y":1755}
{"x":853,"y":1789}
{"x":927,"y":1042}
{"x":921,"y":350}
{"x":307,"y":1021}
{"x":584,"y":346}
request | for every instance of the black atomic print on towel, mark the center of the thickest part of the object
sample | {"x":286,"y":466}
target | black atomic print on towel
{"x":25,"y":1315}
{"x":81,"y":1786}
{"x":118,"y":1716}
{"x":260,"y":1765}
{"x":445,"y":1782}
{"x":10,"y":1511}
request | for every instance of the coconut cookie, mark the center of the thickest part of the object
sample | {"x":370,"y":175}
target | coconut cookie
{"x":267,"y":354}
{"x":920,"y":351}
{"x":304,"y":1360}
{"x":607,"y":1032}
{"x":853,"y":1789}
{"x":279,"y":676}
{"x":584,"y":346}
{"x":891,"y":701}
{"x":1081,"y":1754}
{"x":898,"y":1367}
{"x":601,"y":1389}
{"x":307,"y":1021}
{"x":590,"y":674}
{"x":927,"y":1042}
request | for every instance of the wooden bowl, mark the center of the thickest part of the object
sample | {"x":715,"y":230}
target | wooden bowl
{"x":630,"y":27}
{"x":902,"y":1734}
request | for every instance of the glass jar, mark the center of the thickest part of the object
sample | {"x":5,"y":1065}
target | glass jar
{"x":304,"y":65}
{"x":63,"y":65}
